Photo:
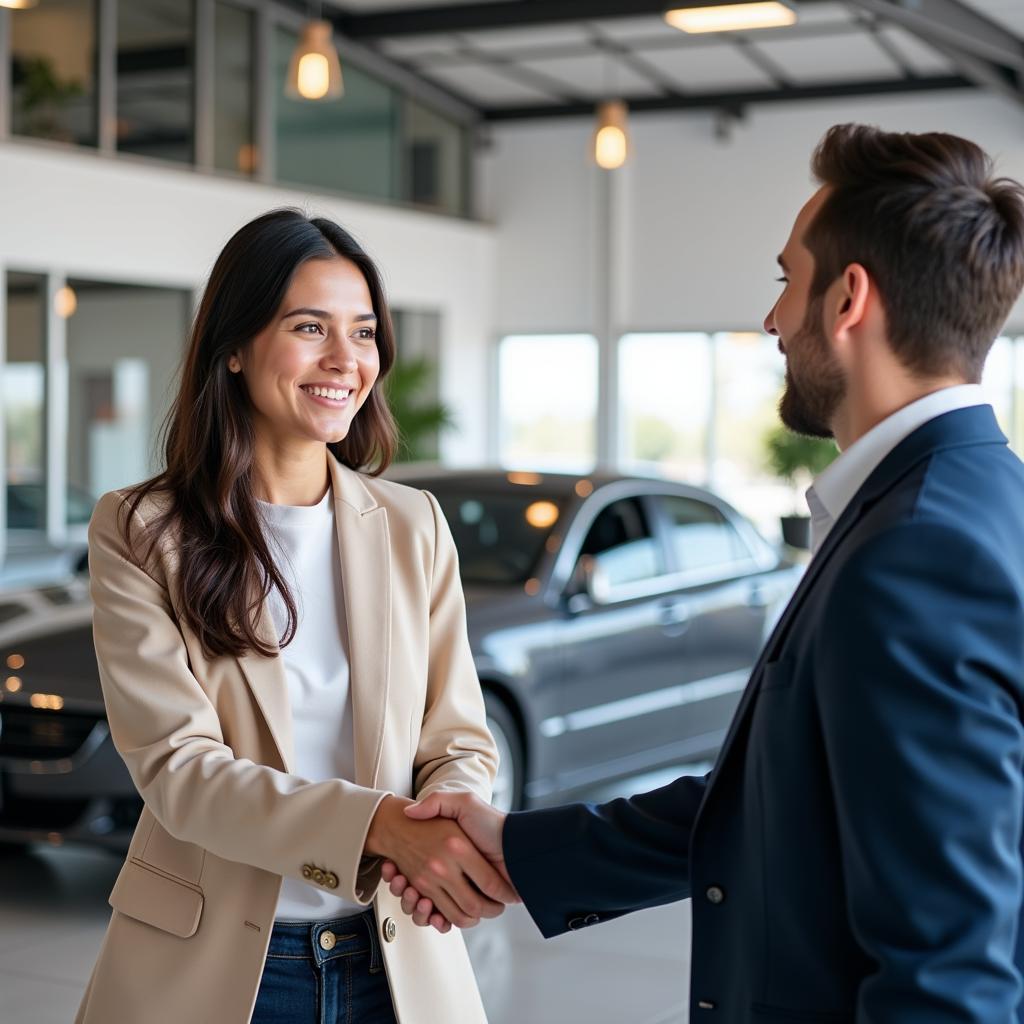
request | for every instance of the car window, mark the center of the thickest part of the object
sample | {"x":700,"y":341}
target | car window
{"x":500,"y":537}
{"x":622,"y":546}
{"x":701,"y":537}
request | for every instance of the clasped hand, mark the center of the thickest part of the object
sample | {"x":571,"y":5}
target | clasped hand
{"x":443,"y":858}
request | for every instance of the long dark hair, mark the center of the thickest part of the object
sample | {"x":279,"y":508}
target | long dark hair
{"x":226,"y":567}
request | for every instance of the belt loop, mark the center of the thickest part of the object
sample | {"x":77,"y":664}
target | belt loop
{"x":370,"y":920}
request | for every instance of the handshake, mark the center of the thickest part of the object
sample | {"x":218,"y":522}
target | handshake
{"x":443,"y":858}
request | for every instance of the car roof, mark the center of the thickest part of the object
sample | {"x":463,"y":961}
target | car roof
{"x":495,"y":479}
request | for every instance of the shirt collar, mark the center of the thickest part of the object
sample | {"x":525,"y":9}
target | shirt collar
{"x":834,"y":488}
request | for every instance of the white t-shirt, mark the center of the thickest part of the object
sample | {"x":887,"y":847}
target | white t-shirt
{"x":304,"y":542}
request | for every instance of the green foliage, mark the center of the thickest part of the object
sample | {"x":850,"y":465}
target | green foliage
{"x":419,"y":421}
{"x":790,"y":455}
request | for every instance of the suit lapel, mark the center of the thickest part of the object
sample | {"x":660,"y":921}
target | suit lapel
{"x":365,"y":549}
{"x":266,"y":679}
{"x":963,"y":427}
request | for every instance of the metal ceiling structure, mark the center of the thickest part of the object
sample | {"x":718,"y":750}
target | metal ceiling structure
{"x":535,"y":59}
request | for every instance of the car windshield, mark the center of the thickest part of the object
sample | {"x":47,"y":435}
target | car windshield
{"x":500,"y":537}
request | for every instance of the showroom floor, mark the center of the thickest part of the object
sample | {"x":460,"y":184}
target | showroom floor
{"x":53,"y":911}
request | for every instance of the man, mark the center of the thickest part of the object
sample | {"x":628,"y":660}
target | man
{"x":856,"y":853}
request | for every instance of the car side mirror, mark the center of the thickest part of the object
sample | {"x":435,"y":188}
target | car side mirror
{"x":588,"y":586}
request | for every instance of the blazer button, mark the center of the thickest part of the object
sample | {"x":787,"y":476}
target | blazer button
{"x":389,"y":929}
{"x":318,"y":876}
{"x":705,"y":1004}
{"x":715,"y":894}
{"x":307,"y":871}
{"x":331,"y":881}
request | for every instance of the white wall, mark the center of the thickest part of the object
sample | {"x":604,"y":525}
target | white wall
{"x":136,"y":222}
{"x":697,"y":221}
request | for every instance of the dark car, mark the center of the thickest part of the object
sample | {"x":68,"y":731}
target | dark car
{"x":613,"y":621}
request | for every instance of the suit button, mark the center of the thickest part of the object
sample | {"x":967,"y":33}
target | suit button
{"x":318,"y":876}
{"x":705,"y":1004}
{"x":307,"y":871}
{"x":715,"y":895}
{"x":327,"y":940}
{"x":331,"y":881}
{"x":389,"y":929}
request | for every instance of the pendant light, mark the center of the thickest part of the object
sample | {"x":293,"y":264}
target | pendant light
{"x":18,"y":5}
{"x":315,"y":71}
{"x":611,"y":135}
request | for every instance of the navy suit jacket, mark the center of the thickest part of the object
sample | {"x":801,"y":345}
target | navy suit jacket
{"x":855,"y":855}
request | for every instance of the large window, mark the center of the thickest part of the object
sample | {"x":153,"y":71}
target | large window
{"x":53,"y":71}
{"x":349,"y":144}
{"x":665,"y":385}
{"x":548,"y":401}
{"x":234,"y":143}
{"x":24,"y":401}
{"x":376,"y":140}
{"x":120,"y":381}
{"x":155,"y":78}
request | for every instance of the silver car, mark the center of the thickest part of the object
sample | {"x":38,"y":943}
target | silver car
{"x":613,"y":620}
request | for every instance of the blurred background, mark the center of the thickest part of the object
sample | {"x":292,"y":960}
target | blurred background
{"x":576,"y":205}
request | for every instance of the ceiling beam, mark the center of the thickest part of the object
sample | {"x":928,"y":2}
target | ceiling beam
{"x":502,"y":14}
{"x":982,"y":50}
{"x":737,"y":101}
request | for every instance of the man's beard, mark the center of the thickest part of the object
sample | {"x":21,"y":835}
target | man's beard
{"x":814,"y":380}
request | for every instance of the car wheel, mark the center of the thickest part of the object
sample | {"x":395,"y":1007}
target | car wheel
{"x":508,"y":783}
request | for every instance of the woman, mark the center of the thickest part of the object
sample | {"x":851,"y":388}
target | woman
{"x":282,"y":647}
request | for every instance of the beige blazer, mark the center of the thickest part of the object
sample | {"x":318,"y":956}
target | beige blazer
{"x":209,"y":745}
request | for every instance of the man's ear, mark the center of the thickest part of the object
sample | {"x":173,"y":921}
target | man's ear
{"x":849,"y":305}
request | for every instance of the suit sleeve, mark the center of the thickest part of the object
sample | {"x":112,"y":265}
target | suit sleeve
{"x":581,"y":864}
{"x":169,"y":735}
{"x":455,"y":750}
{"x":918,"y":671}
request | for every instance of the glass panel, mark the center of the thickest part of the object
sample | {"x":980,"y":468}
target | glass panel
{"x":435,"y":151}
{"x":701,"y":536}
{"x":499,"y":537}
{"x":155,"y":78}
{"x":348,"y":144}
{"x":53,"y":71}
{"x":124,"y":345}
{"x":548,"y":400}
{"x":621,"y":546}
{"x":414,"y":388}
{"x":749,"y":376}
{"x":997,"y":381}
{"x":24,"y":401}
{"x":233,"y":86}
{"x":665,"y":403}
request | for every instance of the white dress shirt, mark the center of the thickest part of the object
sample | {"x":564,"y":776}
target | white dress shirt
{"x":316,"y":664}
{"x":834,"y":488}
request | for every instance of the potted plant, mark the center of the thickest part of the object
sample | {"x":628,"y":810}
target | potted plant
{"x":797,"y":459}
{"x":420,"y":421}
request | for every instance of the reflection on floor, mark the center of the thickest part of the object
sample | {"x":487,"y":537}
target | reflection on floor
{"x":53,"y":912}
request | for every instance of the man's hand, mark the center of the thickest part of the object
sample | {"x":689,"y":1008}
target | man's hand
{"x":482,"y":825}
{"x":445,"y":867}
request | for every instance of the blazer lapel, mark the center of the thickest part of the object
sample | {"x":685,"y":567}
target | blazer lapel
{"x":365,"y":549}
{"x":267,"y":681}
{"x":969,"y":426}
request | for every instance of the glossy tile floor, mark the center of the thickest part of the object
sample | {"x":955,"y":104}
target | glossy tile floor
{"x":635,"y":970}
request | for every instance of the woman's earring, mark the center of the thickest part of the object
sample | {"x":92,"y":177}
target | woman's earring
{"x":233,"y":365}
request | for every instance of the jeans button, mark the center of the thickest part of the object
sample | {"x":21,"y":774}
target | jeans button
{"x":327,"y":940}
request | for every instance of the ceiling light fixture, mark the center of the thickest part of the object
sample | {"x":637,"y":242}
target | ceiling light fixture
{"x":18,"y":5}
{"x":611,"y":136}
{"x":315,"y":71}
{"x":731,"y":17}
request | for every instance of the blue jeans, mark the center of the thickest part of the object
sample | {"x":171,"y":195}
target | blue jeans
{"x":325,"y":972}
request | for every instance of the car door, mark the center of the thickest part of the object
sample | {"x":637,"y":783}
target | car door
{"x":620,"y":648}
{"x":723,"y":595}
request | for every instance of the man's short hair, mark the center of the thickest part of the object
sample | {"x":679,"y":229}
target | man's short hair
{"x":941,"y":238}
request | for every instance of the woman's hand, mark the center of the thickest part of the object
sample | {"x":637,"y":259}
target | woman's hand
{"x":442,"y":865}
